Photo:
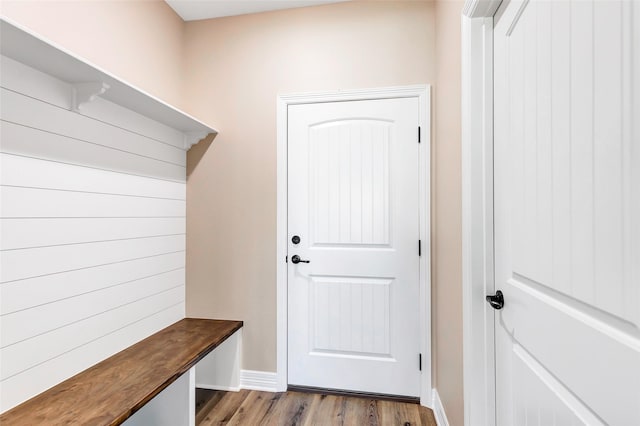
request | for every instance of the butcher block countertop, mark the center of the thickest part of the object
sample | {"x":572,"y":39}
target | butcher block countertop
{"x":111,"y":391}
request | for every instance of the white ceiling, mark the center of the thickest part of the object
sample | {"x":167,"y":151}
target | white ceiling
{"x":192,"y":10}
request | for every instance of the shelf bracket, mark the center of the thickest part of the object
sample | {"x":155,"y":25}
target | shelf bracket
{"x":83,"y":93}
{"x":192,"y":138}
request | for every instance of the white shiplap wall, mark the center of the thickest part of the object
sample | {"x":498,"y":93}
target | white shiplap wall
{"x":92,"y":231}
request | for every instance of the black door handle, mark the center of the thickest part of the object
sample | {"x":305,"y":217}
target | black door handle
{"x":295,"y":259}
{"x":497,"y":300}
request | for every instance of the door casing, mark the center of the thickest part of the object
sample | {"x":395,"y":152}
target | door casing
{"x":477,"y":211}
{"x":423,"y":93}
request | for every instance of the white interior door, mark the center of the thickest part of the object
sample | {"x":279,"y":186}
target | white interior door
{"x":353,"y":310}
{"x":567,"y":212}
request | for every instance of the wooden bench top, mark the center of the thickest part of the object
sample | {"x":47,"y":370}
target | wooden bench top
{"x":111,"y":391}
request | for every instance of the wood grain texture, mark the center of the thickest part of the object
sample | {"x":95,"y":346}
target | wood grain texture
{"x":112,"y":390}
{"x":304,"y":409}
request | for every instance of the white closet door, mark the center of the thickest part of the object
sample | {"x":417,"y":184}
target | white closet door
{"x":567,"y":212}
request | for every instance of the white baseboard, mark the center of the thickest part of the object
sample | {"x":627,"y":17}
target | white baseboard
{"x":438,"y":410}
{"x":215,"y":387}
{"x":258,"y":380}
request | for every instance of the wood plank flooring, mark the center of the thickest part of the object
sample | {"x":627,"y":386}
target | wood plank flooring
{"x":249,"y":408}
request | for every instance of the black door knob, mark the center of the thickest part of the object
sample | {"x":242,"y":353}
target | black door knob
{"x":496,"y":301}
{"x":295,"y":239}
{"x":295,"y":259}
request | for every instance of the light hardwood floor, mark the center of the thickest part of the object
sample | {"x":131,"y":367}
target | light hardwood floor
{"x":249,"y":408}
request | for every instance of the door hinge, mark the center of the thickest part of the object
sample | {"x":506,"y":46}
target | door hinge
{"x":419,"y":138}
{"x":420,"y":362}
{"x":419,"y":247}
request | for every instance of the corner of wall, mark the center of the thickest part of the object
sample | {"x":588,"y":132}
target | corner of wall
{"x":438,"y":410}
{"x":447,"y":262}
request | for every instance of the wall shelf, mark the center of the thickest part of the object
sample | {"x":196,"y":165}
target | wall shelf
{"x":24,"y":46}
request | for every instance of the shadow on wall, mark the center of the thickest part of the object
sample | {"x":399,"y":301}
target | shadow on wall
{"x":197,"y":151}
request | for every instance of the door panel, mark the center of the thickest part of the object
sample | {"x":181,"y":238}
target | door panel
{"x":359,"y":324}
{"x":349,"y":183}
{"x":566,"y":212}
{"x":353,"y":200}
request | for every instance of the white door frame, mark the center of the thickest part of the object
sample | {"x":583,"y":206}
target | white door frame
{"x":422,"y":92}
{"x":477,"y":211}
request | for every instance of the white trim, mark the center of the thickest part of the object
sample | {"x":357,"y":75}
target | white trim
{"x":218,"y":388}
{"x":220,"y":369}
{"x":355,"y":94}
{"x":29,"y":48}
{"x":480,"y":8}
{"x":281,"y":245}
{"x":192,"y":396}
{"x":424,"y":189}
{"x":477,"y":214}
{"x":438,"y":410}
{"x":83,"y":93}
{"x":192,"y":138}
{"x":423,"y":93}
{"x":265,"y":381}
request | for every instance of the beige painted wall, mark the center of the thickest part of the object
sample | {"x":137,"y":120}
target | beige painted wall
{"x":236,"y":68}
{"x":139,"y":41}
{"x":447,"y":203}
{"x":233,"y":68}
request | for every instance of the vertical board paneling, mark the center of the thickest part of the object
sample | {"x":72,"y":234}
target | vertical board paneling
{"x":543,"y":135}
{"x":350,"y":187}
{"x":582,"y":259}
{"x":344,"y":184}
{"x":607,"y":155}
{"x":367,"y":185}
{"x":358,"y":320}
{"x":334,"y":183}
{"x":515,"y":65}
{"x":356,"y":184}
{"x":571,"y":125}
{"x":561,"y":144}
{"x":530,"y":188}
{"x":377,"y":212}
{"x":92,"y":248}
